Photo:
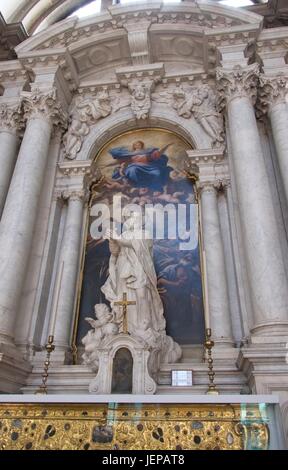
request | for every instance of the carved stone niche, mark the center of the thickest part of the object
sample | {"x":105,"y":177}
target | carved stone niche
{"x":142,"y":357}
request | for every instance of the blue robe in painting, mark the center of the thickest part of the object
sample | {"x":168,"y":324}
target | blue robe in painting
{"x":153,"y":174}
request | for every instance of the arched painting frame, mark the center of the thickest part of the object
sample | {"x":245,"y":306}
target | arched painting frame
{"x":160,"y":180}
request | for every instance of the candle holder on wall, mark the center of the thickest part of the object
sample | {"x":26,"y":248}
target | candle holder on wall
{"x":209,"y":344}
{"x":49,"y":349}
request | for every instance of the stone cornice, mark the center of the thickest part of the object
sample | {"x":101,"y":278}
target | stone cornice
{"x":199,"y":157}
{"x":77,"y":175}
{"x":212,"y":167}
{"x":204,"y":16}
{"x":151,"y":72}
{"x":13,"y":71}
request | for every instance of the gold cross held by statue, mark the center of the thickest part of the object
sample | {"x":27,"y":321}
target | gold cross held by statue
{"x":124,"y":303}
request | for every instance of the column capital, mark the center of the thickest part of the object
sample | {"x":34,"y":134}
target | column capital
{"x":75,"y":195}
{"x":215,"y":186}
{"x":237,"y":82}
{"x":11,"y":119}
{"x":79,"y":174}
{"x":44,"y":104}
{"x":272,"y":91}
{"x":71,"y":194}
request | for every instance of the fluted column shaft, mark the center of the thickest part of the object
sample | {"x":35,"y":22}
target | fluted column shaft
{"x":9,"y":141}
{"x":216,"y":273}
{"x":20,"y":211}
{"x":65,"y":288}
{"x":265,"y":268}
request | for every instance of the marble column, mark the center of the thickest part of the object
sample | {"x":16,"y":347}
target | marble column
{"x":68,"y":268}
{"x":265,"y":268}
{"x":273,"y":94}
{"x":220,"y":319}
{"x":10,"y":119}
{"x":20,"y":210}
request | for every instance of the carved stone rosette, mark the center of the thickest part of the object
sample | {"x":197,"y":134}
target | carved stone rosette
{"x":40,"y":104}
{"x":11,"y":118}
{"x":272,"y":91}
{"x":237,"y":82}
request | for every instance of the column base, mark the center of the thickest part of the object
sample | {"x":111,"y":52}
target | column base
{"x":266,"y":367}
{"x":14,"y":370}
{"x":275,"y":328}
{"x":269,"y":334}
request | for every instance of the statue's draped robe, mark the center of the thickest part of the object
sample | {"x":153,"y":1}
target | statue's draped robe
{"x":133,"y":272}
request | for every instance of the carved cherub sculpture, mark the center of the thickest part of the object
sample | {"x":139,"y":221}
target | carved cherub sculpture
{"x":105,"y":325}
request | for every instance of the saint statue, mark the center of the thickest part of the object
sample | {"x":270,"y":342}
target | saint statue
{"x":131,"y":271}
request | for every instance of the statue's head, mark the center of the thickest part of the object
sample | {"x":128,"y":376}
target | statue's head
{"x":203,"y":92}
{"x":179,"y":93}
{"x":139,"y":92}
{"x":103,"y":96}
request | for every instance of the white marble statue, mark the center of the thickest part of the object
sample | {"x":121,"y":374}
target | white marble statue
{"x":131,"y":271}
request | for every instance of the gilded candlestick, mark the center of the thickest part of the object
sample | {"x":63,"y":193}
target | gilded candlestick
{"x":49,"y":349}
{"x":211,"y":374}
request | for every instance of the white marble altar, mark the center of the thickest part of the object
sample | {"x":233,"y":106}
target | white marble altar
{"x":218,"y":79}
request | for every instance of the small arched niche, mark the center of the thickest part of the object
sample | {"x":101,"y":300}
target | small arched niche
{"x":122,"y":372}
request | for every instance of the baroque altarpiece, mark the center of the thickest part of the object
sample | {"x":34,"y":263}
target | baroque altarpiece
{"x":143,"y":195}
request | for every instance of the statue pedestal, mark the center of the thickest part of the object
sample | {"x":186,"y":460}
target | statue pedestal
{"x":116,"y":373}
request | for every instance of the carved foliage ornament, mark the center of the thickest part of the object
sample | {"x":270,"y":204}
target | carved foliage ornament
{"x":45,"y":104}
{"x":237,"y":82}
{"x":272,"y":91}
{"x":11,"y":117}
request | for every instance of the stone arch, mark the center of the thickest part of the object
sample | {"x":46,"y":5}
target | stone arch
{"x":124,"y":120}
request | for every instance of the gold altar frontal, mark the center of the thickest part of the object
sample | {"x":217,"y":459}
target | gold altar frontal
{"x":133,"y":426}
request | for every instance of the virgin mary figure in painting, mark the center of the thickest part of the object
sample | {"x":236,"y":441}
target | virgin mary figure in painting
{"x":143,"y":168}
